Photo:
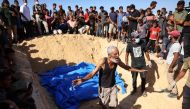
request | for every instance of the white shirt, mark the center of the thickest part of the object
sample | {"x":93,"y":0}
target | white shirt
{"x":26,"y":12}
{"x":175,"y":47}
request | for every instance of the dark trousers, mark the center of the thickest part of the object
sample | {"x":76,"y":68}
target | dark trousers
{"x":186,"y":42}
{"x":143,"y":80}
{"x":28,"y":28}
{"x":151,"y":45}
{"x":186,"y":97}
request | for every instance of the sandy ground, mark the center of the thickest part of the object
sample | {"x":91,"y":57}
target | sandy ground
{"x":48,"y":52}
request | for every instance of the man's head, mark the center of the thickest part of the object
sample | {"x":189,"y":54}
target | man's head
{"x":36,"y":2}
{"x":76,"y":7}
{"x":163,"y":11}
{"x":180,"y":5}
{"x":113,"y":53}
{"x":60,"y":6}
{"x":16,"y":3}
{"x":135,"y":37}
{"x":5,"y":3}
{"x":101,"y":8}
{"x":128,"y":9}
{"x":158,"y":12}
{"x":54,"y":5}
{"x":80,"y":7}
{"x":121,"y":9}
{"x":112,"y":9}
{"x":91,"y":8}
{"x":86,"y":9}
{"x":148,"y":11}
{"x":174,"y":35}
{"x":153,"y":4}
{"x":5,"y":78}
{"x":132,"y":7}
{"x":69,"y":8}
{"x":94,"y":8}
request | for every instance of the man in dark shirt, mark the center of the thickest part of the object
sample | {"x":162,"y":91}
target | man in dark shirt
{"x":92,"y":21}
{"x":106,"y":68}
{"x":113,"y":23}
{"x":186,"y":36}
{"x":133,"y":17}
{"x":137,"y":49}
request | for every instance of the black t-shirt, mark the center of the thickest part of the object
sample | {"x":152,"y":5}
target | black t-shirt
{"x":137,"y":54}
{"x":186,"y":29}
{"x":81,"y":22}
{"x":133,"y":23}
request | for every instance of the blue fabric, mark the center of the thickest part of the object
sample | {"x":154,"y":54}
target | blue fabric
{"x":59,"y":83}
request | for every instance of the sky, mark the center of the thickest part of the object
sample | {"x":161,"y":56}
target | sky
{"x":168,"y":4}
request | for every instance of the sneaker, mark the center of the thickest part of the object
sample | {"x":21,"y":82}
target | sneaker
{"x":172,"y":95}
{"x":165,"y":91}
{"x":133,"y":92}
{"x":144,"y":94}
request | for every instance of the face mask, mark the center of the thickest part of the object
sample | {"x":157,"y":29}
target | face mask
{"x":132,"y":10}
{"x":137,"y":40}
{"x":25,"y":4}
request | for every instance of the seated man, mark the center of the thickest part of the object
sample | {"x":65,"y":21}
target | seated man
{"x":107,"y":84}
{"x":72,"y":25}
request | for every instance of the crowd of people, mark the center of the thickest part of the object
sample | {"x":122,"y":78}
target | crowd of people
{"x":166,"y":33}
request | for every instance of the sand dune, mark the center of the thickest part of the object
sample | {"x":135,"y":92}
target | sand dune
{"x":50,"y":51}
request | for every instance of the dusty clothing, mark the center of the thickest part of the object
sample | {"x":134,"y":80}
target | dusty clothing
{"x":108,"y":96}
{"x":170,"y":77}
{"x":186,"y":66}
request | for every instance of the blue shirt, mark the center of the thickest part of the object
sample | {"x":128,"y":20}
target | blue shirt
{"x":113,"y":17}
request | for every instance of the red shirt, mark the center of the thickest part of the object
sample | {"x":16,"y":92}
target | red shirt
{"x":86,"y":17}
{"x":154,"y":33}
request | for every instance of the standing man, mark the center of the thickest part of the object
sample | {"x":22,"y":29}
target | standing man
{"x":137,"y":50}
{"x":120,"y":16}
{"x":172,"y":62}
{"x":107,"y":84}
{"x":180,"y":15}
{"x":186,"y":65}
{"x":25,"y":17}
{"x":133,"y":17}
{"x":153,"y":5}
{"x":113,"y":24}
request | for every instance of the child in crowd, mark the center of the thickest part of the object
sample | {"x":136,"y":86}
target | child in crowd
{"x":55,"y":24}
{"x":72,"y":25}
{"x":142,"y":29}
{"x":154,"y":38}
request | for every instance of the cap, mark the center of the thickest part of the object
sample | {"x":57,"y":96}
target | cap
{"x":60,"y":5}
{"x":174,"y":33}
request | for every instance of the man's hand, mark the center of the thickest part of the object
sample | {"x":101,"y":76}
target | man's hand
{"x":172,"y":85}
{"x":77,"y":82}
{"x":149,"y":64}
{"x":170,"y":70}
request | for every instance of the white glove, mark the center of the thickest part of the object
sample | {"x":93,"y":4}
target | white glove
{"x":149,"y":64}
{"x":172,"y":85}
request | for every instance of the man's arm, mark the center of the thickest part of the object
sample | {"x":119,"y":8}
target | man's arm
{"x":147,"y":56}
{"x":181,"y":75}
{"x":176,"y":57}
{"x":90,"y":75}
{"x":126,"y":58}
{"x":126,"y":67}
{"x":186,"y":23}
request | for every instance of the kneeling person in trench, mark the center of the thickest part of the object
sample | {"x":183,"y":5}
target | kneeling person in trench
{"x":107,"y":84}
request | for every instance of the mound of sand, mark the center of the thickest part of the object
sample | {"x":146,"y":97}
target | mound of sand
{"x":50,"y":51}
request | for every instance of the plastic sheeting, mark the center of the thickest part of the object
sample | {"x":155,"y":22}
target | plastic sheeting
{"x":59,"y":83}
